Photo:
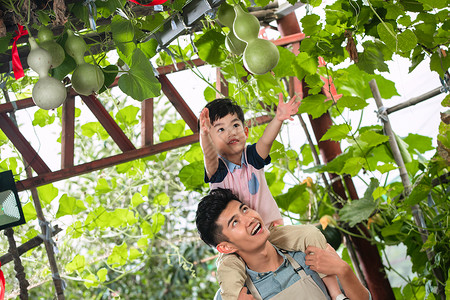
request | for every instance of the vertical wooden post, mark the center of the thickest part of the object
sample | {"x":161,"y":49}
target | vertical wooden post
{"x":18,"y":267}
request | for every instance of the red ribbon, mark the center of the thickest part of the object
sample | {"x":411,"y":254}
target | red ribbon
{"x":154,"y":2}
{"x":16,"y":64}
{"x":2,"y":284}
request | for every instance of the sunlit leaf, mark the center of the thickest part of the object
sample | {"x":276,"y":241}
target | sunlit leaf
{"x":315,"y":105}
{"x":337,"y":132}
{"x":119,"y":255}
{"x":69,"y":206}
{"x":47,"y":193}
{"x":77,"y":264}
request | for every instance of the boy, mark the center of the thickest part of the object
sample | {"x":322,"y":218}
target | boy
{"x":230,"y":164}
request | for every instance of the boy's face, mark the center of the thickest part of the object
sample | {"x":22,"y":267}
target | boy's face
{"x":243,"y":228}
{"x":229,"y":136}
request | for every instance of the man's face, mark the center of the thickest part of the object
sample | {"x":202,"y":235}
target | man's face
{"x":243,"y":227}
{"x":229,"y":136}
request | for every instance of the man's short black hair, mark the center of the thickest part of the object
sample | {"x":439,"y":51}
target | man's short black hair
{"x":221,"y":107}
{"x":208,"y":211}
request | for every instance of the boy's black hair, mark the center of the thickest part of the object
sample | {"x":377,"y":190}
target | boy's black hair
{"x":221,"y":107}
{"x":208,"y":211}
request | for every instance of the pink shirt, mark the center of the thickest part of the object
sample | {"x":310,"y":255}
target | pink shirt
{"x":248,"y":183}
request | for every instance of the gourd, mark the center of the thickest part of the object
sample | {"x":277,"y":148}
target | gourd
{"x":245,"y":25}
{"x":46,"y":42}
{"x":260,"y":56}
{"x":86,"y":78}
{"x":48,"y":92}
{"x":226,"y":16}
{"x":233,"y":44}
{"x":332,"y":235}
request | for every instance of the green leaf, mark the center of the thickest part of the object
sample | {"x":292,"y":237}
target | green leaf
{"x":419,"y":142}
{"x":118,"y":256}
{"x":439,"y":63}
{"x":128,"y":115}
{"x":337,"y":132}
{"x":119,"y":217}
{"x":29,"y":212}
{"x":123,"y":34}
{"x":386,"y":168}
{"x":353,"y":165}
{"x":172,"y":131}
{"x":134,"y":253}
{"x":140,"y":83}
{"x":373,"y":138}
{"x":91,"y":128}
{"x":357,"y":211}
{"x":304,"y":65}
{"x":158,"y":221}
{"x":69,"y":206}
{"x":47,"y":193}
{"x":42,"y":118}
{"x":110,"y":72}
{"x":209,"y":94}
{"x":136,"y":200}
{"x":295,"y":200}
{"x":98,"y":218}
{"x":351,"y":102}
{"x":208,"y":46}
{"x":149,"y":48}
{"x":284,"y":66}
{"x":102,"y":186}
{"x":90,"y":280}
{"x":75,"y":230}
{"x":419,"y":193}
{"x":161,"y":199}
{"x":372,"y":58}
{"x":192,"y":175}
{"x":393,"y":229}
{"x":388,"y":35}
{"x":434,"y":4}
{"x":77,"y":264}
{"x":407,"y":40}
{"x":309,"y":24}
{"x":315,"y":105}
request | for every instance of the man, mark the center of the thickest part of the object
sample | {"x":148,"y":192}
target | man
{"x":230,"y":226}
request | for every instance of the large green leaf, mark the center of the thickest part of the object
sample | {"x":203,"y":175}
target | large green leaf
{"x":78,"y":264}
{"x":351,"y":102}
{"x":140,"y":82}
{"x":69,"y":206}
{"x":309,"y":24}
{"x":208,"y":46}
{"x":315,"y":105}
{"x":47,"y":193}
{"x":123,"y":35}
{"x":337,"y":132}
{"x":192,"y":175}
{"x":372,"y":58}
{"x":359,"y":210}
{"x":373,"y":138}
{"x":295,"y":200}
{"x":119,"y":255}
{"x":353,"y":165}
{"x":284,"y":66}
{"x":304,"y":65}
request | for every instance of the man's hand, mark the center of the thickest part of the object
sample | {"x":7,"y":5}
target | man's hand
{"x":205,"y":122}
{"x":244,"y":296}
{"x":325,"y":261}
{"x":285,"y":111}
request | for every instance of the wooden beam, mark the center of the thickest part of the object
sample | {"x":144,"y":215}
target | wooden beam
{"x":147,"y":122}
{"x":20,"y":142}
{"x":43,"y":179}
{"x":108,"y":123}
{"x":67,"y":133}
{"x":178,"y":102}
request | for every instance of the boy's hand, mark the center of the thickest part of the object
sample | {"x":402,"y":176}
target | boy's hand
{"x":285,"y":111}
{"x":243,"y":295}
{"x":205,"y":122}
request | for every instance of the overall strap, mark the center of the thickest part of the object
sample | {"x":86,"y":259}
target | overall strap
{"x":252,"y":288}
{"x":297,"y":268}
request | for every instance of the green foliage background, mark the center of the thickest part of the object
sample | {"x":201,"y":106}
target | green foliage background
{"x":128,"y":229}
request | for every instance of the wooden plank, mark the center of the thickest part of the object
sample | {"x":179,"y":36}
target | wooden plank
{"x":67,"y":133}
{"x":105,"y":162}
{"x":147,"y":122}
{"x":178,"y":102}
{"x":108,"y":123}
{"x":16,"y":105}
{"x":20,"y":142}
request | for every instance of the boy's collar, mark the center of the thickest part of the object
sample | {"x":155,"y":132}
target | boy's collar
{"x":232,"y":166}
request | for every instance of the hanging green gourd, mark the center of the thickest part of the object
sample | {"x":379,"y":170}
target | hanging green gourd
{"x":46,"y":42}
{"x":226,"y":16}
{"x":48,"y":92}
{"x":233,"y":44}
{"x":260,"y":56}
{"x":86,"y":78}
{"x":245,"y":25}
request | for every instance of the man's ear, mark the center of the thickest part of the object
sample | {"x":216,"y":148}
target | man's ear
{"x":226,"y":248}
{"x":246,"y":131}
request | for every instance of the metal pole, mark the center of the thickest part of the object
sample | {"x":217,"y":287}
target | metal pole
{"x":415,"y":209}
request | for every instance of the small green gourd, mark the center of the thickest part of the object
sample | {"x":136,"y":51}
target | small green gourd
{"x":48,"y":92}
{"x":260,"y":56}
{"x":86,"y":78}
{"x":245,"y":25}
{"x":226,"y":15}
{"x":46,"y":42}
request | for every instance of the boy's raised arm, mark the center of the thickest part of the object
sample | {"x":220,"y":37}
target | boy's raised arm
{"x":284,"y":112}
{"x":208,"y":148}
